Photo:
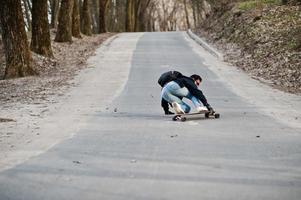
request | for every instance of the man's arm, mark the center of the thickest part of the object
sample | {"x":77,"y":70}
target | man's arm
{"x":193,"y":89}
{"x":203,"y":99}
{"x":199,"y":94}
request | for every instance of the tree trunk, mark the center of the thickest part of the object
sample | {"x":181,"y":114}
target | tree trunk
{"x":103,"y":4}
{"x":64,"y":32}
{"x":193,"y":5}
{"x":17,"y":53}
{"x":27,"y":14}
{"x":113,"y":17}
{"x":55,"y":6}
{"x":40,"y":40}
{"x":186,"y":14}
{"x":129,"y":24}
{"x":150,"y":18}
{"x":95,"y":15}
{"x":137,"y":10}
{"x":141,"y":22}
{"x":120,"y":15}
{"x":76,"y":20}
{"x":198,"y":11}
{"x":86,"y":19}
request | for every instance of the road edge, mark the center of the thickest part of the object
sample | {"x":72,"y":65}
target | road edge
{"x":81,"y":101}
{"x":205,"y":45}
{"x":281,"y":106}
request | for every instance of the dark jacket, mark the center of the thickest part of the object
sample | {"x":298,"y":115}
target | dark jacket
{"x":168,"y":76}
{"x":188,"y":82}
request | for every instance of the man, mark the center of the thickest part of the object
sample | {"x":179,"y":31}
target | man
{"x":187,"y":87}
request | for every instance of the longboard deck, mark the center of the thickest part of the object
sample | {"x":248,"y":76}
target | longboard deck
{"x":183,"y":117}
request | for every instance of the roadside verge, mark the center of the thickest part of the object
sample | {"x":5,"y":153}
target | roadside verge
{"x":283,"y":107}
{"x":92,"y":90}
{"x":206,"y":46}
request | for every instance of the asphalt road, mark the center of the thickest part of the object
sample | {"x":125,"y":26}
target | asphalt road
{"x":131,"y":150}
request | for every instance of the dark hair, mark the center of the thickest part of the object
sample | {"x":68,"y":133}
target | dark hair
{"x":196,"y":77}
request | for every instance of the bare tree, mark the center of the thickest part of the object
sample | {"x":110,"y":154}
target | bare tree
{"x":194,"y":12}
{"x":55,"y":6}
{"x":94,"y":15}
{"x":76,"y":20}
{"x":186,"y":14}
{"x":130,"y":12}
{"x":64,"y":32}
{"x":121,"y":10}
{"x":28,"y":8}
{"x":119,"y":15}
{"x":86,"y":18}
{"x":172,"y":18}
{"x":150,"y":16}
{"x":40,"y":40}
{"x":17,"y":53}
{"x":140,"y":21}
{"x":103,"y":5}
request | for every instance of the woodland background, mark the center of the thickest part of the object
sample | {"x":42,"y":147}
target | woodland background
{"x":263,"y":37}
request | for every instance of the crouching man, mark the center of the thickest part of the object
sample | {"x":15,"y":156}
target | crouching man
{"x":174,"y":91}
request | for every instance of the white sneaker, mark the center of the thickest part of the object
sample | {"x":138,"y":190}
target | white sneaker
{"x":201,"y":109}
{"x":177,"y":108}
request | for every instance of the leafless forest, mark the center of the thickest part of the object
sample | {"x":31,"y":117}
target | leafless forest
{"x":26,"y":24}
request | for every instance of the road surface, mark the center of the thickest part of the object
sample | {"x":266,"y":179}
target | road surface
{"x":130,"y":150}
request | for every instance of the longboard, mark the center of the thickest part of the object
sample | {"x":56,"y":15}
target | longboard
{"x":183,"y":117}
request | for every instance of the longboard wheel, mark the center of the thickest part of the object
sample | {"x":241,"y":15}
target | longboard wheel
{"x":175,"y":118}
{"x":183,"y":119}
{"x":216,"y":115}
{"x":207,"y":115}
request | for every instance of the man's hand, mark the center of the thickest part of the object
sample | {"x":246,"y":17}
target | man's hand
{"x":210,"y":109}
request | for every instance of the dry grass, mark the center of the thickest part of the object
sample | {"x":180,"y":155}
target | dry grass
{"x":264,"y":42}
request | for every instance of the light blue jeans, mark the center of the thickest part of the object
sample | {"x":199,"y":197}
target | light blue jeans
{"x":172,"y":92}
